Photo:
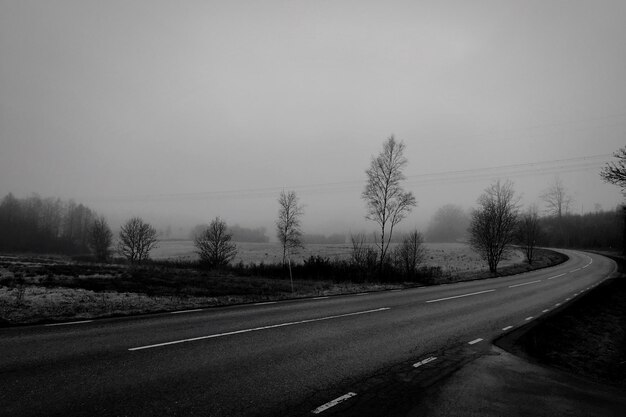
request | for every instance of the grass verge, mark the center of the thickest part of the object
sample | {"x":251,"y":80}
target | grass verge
{"x":38,"y":289}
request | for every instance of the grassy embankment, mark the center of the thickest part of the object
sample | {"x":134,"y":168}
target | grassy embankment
{"x":587,"y":338}
{"x":36,"y":289}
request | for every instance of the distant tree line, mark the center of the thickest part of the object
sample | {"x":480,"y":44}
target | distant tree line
{"x":35,"y":224}
{"x":602,"y":230}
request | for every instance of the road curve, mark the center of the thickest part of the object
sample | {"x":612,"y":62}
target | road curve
{"x":266,"y":359}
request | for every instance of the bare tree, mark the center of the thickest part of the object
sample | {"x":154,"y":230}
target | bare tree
{"x":214,"y":244}
{"x":137,"y":238}
{"x":100,"y":239}
{"x":557,"y":199}
{"x":411,"y":252}
{"x":362,"y":254}
{"x":492,"y":229}
{"x":288,"y":223}
{"x":387,"y":202}
{"x":529,"y":231}
{"x":615,"y":172}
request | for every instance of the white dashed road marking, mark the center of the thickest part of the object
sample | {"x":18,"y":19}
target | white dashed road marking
{"x":556,"y":276}
{"x":68,"y":323}
{"x":273,"y":326}
{"x":265,"y":303}
{"x":333,"y":403}
{"x":574,"y":270}
{"x":473,"y":342}
{"x":320,"y":298}
{"x":424,"y":362}
{"x":528,"y":318}
{"x":185,"y":311}
{"x":525,"y":283}
{"x":459,"y":296}
{"x":507,"y":328}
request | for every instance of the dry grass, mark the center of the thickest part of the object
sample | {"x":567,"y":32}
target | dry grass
{"x":31,"y":294}
{"x":36,"y":289}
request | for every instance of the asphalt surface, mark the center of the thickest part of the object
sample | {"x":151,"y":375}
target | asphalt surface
{"x":287,"y":358}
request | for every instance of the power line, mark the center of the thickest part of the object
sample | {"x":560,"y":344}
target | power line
{"x":556,"y":166}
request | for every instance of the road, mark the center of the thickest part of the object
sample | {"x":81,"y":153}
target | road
{"x":266,"y":359}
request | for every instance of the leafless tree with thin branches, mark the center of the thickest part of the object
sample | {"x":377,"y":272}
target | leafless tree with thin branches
{"x":410,"y":253}
{"x":557,"y":199}
{"x":529,"y":232}
{"x":387,"y":202}
{"x":615,"y":172}
{"x":288,"y":223}
{"x":136,"y":239}
{"x":493,"y":225}
{"x":100,"y":238}
{"x":214,"y":244}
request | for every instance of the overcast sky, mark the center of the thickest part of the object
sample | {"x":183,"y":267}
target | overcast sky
{"x":179,"y":111}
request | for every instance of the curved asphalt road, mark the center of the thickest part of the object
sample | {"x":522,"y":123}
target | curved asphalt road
{"x":267,"y":359}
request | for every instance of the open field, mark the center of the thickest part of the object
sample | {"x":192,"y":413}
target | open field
{"x":451,"y":257}
{"x":35,"y":289}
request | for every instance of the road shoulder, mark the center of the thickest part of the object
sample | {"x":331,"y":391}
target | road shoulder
{"x":561,"y":364}
{"x":504,"y":384}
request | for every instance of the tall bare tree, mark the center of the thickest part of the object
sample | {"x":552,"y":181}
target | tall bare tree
{"x":288,"y":223}
{"x":492,"y":229}
{"x":387,"y":202}
{"x":214,"y":244}
{"x":557,"y":199}
{"x":136,"y":239}
{"x":100,"y":239}
{"x":529,"y":232}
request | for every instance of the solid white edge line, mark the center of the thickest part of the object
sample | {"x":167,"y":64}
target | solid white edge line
{"x":320,"y":298}
{"x":574,"y":270}
{"x":524,"y":283}
{"x":556,"y":276}
{"x":424,"y":362}
{"x":459,"y":296}
{"x":68,"y":323}
{"x":264,"y":303}
{"x":507,"y":328}
{"x":185,"y":311}
{"x":272,"y":326}
{"x":333,"y":403}
{"x":473,"y":342}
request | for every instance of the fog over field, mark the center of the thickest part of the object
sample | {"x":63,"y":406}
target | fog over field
{"x":182,"y":111}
